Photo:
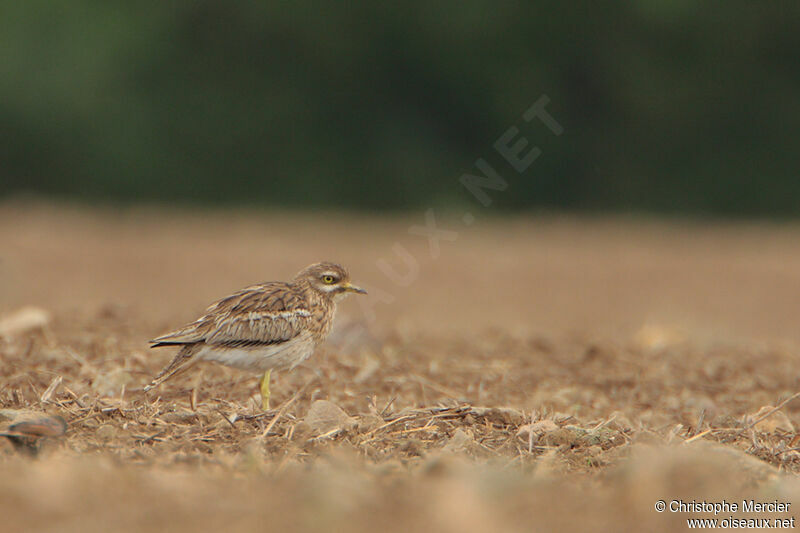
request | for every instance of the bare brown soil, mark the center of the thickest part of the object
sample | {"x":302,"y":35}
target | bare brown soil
{"x":540,"y":372}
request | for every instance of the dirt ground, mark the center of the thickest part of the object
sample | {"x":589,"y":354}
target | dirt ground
{"x":521,"y":374}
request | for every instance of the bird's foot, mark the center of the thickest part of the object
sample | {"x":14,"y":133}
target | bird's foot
{"x":265,"y":394}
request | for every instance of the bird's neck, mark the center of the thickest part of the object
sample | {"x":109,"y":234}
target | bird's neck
{"x":315,"y":297}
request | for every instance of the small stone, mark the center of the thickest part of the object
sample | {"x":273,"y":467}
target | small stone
{"x":43,"y":426}
{"x":301,"y":433}
{"x":604,"y":437}
{"x":325,"y":417}
{"x":24,"y":320}
{"x":773,"y":422}
{"x":568,"y":435}
{"x":460,"y":441}
{"x":655,"y":337}
{"x":367,"y":370}
{"x":106,"y":432}
{"x":27,"y":428}
{"x":111,"y":383}
{"x":537,"y":429}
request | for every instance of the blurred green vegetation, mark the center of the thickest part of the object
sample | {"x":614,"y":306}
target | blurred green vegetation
{"x":671,"y":106}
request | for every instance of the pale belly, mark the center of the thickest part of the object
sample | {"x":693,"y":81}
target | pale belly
{"x":283,"y":356}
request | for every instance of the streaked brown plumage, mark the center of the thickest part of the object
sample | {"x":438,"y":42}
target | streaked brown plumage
{"x":265,"y":327}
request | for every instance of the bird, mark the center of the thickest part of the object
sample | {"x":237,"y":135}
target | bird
{"x":269,"y":326}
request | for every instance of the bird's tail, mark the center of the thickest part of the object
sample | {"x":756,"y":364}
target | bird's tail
{"x":178,"y":363}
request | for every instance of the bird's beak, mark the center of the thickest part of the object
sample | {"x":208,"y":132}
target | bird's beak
{"x":352,"y":288}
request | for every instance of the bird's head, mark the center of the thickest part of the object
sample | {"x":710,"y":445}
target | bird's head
{"x":329,"y":279}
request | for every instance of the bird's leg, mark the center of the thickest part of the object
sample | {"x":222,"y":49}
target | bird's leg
{"x":265,"y":390}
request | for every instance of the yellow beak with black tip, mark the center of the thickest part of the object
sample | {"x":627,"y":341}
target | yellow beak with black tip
{"x":352,"y":288}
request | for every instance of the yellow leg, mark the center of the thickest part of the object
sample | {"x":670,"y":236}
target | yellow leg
{"x":265,"y":390}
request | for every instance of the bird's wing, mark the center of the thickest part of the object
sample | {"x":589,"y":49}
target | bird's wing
{"x":189,"y":334}
{"x":270,"y":313}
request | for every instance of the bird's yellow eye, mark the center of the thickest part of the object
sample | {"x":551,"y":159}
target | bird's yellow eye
{"x":328,"y":279}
